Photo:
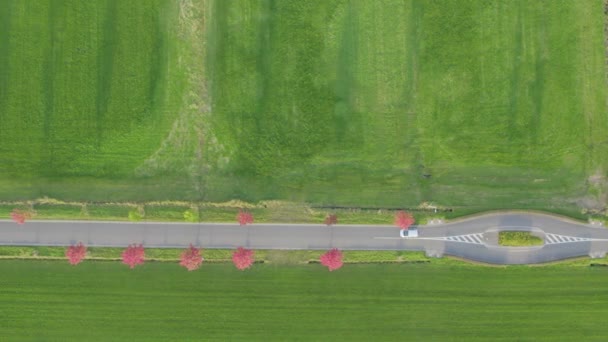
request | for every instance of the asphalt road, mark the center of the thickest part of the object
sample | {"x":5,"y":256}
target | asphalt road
{"x":473,"y":238}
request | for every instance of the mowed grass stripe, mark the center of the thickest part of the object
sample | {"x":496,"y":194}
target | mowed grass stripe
{"x":28,"y":43}
{"x":5,"y":24}
{"x":101,"y":300}
{"x":72,"y":124}
{"x":105,"y":62}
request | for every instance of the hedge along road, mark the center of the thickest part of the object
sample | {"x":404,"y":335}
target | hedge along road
{"x":473,"y":238}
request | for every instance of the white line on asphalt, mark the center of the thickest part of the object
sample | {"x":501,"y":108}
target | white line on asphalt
{"x":503,"y":227}
{"x":554,"y":239}
{"x":471,"y":238}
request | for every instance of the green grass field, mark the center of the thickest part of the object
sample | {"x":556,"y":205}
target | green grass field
{"x":338,"y":102}
{"x":351,"y":102}
{"x":515,"y":239}
{"x":105,"y":300}
{"x":89,"y":94}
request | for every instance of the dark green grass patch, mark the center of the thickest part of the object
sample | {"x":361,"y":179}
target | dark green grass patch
{"x":516,"y":239}
{"x":101,"y":300}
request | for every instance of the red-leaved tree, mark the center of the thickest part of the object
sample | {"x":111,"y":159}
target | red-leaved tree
{"x":243,"y":258}
{"x":20,"y":216}
{"x":403,"y":220}
{"x":331,"y":219}
{"x":134,"y":255}
{"x":76,"y":253}
{"x":191,"y":258}
{"x":332,"y":259}
{"x":244,"y":217}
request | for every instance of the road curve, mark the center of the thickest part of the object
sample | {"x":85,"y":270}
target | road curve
{"x":473,"y":238}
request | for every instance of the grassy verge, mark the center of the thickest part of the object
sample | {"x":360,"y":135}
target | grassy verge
{"x":217,"y":255}
{"x":263,"y":212}
{"x":274,"y":257}
{"x":157,"y":301}
{"x":518,"y":239}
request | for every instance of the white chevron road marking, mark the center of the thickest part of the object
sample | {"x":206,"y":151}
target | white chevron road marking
{"x":554,"y":239}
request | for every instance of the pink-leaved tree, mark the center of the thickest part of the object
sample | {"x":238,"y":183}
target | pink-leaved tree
{"x":20,"y":216}
{"x":331,"y":219}
{"x":76,"y":253}
{"x":134,"y":255}
{"x":191,"y":258}
{"x":243,"y":258}
{"x":332,"y":259}
{"x":244,"y":217}
{"x":403,"y":220}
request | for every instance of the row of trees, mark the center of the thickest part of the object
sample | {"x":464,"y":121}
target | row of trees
{"x":192,"y":259}
{"x":402,"y":219}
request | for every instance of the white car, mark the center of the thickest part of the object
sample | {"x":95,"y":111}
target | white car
{"x":412,"y":232}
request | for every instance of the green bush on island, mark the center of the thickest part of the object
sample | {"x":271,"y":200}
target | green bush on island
{"x":518,"y":239}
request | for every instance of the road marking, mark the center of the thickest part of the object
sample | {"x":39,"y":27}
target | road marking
{"x":554,"y":239}
{"x":473,"y":239}
{"x":477,"y":239}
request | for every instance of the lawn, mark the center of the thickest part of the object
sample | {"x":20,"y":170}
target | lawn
{"x":106,"y":300}
{"x":468,"y":104}
{"x":89,"y":94}
{"x":499,"y":104}
{"x":515,"y":239}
